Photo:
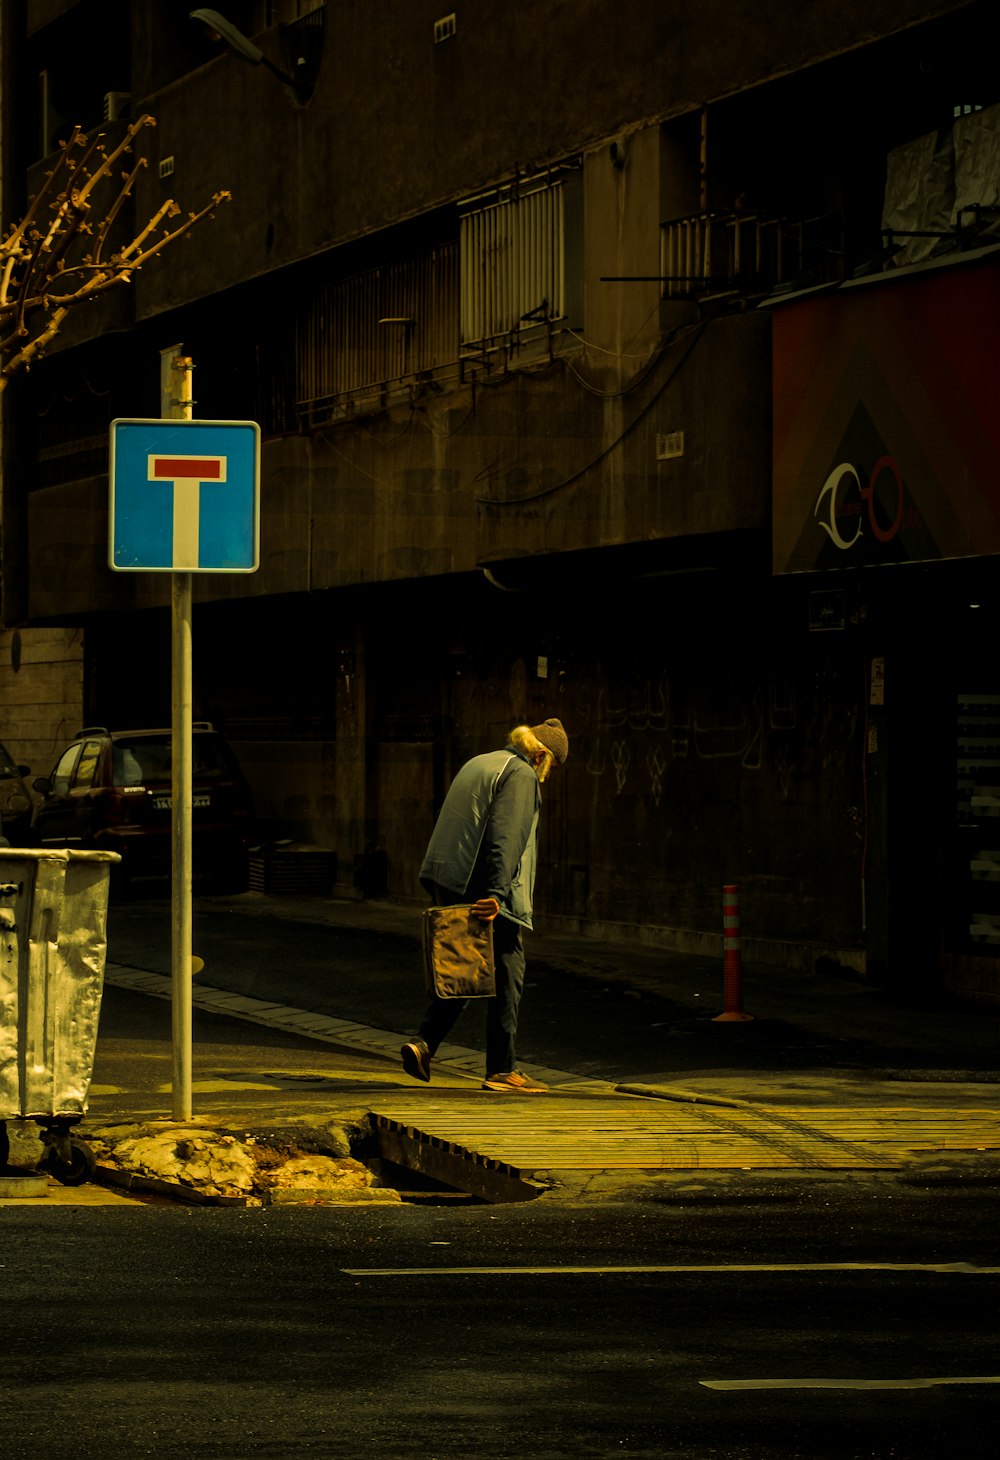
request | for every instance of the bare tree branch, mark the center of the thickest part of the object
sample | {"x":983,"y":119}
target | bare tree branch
{"x":60,"y":253}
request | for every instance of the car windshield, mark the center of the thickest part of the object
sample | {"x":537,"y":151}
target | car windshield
{"x":145,"y":759}
{"x":7,"y":766}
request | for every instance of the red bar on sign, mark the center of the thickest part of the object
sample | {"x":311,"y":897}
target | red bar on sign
{"x":173,"y":468}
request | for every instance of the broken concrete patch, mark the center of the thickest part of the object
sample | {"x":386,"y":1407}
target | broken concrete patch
{"x":201,"y":1165}
{"x":323,"y":1178}
{"x":215,"y":1165}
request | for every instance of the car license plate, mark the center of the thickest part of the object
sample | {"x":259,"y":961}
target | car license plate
{"x":164,"y":803}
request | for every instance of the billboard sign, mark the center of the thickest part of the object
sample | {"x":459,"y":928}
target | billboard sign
{"x":886,"y":431}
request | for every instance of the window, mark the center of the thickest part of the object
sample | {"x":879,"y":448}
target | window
{"x":361,"y":340}
{"x":138,"y":761}
{"x":147,"y":759}
{"x":86,"y":766}
{"x":520,"y":256}
{"x":64,"y":769}
{"x":77,"y":55}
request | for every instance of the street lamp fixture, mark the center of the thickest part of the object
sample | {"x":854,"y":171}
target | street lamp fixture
{"x":220,"y":29}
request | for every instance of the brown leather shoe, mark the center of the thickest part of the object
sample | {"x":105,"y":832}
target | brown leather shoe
{"x":515,"y":1083}
{"x":416,"y":1059}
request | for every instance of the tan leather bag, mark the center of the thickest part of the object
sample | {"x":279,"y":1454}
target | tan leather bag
{"x":458,"y":953}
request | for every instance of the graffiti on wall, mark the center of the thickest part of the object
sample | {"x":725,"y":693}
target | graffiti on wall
{"x":726,"y":725}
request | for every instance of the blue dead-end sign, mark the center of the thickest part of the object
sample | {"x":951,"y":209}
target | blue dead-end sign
{"x":185,"y":496}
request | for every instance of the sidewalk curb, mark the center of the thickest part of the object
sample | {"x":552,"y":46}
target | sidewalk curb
{"x":690,"y":1097}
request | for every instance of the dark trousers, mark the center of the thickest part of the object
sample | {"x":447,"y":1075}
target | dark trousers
{"x":501,"y":1011}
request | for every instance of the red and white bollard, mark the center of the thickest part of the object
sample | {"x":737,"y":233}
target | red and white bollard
{"x":731,"y":968}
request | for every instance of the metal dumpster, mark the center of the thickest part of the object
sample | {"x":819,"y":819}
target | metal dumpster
{"x":53,"y":941}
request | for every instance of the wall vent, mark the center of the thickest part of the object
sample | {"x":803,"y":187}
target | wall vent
{"x":445,"y":28}
{"x":166,"y":167}
{"x":669,"y":445}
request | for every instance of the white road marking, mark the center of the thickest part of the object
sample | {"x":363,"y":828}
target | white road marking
{"x":847,"y":1383}
{"x":734,"y":1267}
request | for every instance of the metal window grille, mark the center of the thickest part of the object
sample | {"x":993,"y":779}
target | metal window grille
{"x":513,"y":266}
{"x":362,"y":335}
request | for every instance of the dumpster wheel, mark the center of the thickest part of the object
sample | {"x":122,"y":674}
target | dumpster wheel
{"x":69,"y":1161}
{"x":80,"y":1167}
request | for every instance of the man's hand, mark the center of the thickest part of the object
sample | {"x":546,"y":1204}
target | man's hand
{"x":485,"y":909}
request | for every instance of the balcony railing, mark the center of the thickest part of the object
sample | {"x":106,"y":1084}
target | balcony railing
{"x":707,"y":255}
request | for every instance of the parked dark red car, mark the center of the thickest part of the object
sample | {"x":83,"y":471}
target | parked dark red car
{"x":111,"y":791}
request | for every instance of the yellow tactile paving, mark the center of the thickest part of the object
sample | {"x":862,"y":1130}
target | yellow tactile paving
{"x":531,"y":1134}
{"x":905,"y":1129}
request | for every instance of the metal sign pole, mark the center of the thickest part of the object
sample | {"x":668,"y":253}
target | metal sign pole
{"x":181,"y":815}
{"x":184,"y":499}
{"x":181,"y":799}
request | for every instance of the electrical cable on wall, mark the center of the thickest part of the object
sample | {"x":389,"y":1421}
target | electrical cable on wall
{"x":693,"y":337}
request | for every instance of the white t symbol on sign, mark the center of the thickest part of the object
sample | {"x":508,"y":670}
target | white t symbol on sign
{"x":186,"y":474}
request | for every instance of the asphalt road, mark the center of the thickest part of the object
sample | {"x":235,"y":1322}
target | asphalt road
{"x":685,"y":1330}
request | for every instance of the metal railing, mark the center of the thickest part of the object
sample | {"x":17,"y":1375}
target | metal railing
{"x":732,"y":253}
{"x":375,"y":326}
{"x":975,"y":225}
{"x":512,"y":262}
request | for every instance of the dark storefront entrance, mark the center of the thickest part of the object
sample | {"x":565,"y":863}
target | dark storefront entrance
{"x":887,"y":483}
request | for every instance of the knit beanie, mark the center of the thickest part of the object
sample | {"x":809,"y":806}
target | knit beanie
{"x":554,"y":738}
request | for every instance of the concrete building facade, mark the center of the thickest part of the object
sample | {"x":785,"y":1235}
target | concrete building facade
{"x":564,"y":325}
